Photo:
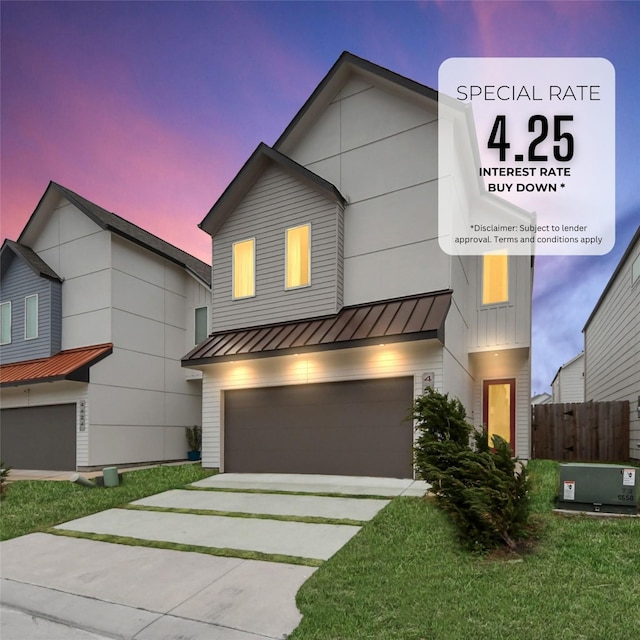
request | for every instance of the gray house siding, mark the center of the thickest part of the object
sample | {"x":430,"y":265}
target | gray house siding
{"x":277,"y":202}
{"x":18,"y":282}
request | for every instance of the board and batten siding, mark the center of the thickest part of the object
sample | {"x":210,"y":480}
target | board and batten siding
{"x":361,"y":363}
{"x":18,"y":282}
{"x":612,"y":347}
{"x":508,"y":324}
{"x":277,"y":202}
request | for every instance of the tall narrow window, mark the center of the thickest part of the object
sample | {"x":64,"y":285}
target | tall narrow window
{"x":495,"y":278}
{"x":244,"y":268}
{"x":298,"y":257}
{"x":635,"y":270}
{"x":201,"y":324}
{"x":5,"y":323}
{"x":31,"y":317}
{"x":499,"y":410}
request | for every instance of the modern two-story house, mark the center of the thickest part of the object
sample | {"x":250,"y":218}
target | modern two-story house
{"x":612,"y":342}
{"x":333,"y":304}
{"x":95,"y":315}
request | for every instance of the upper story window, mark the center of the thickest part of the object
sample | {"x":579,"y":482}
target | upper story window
{"x":298,"y":256}
{"x":244,"y":268}
{"x":31,"y":317}
{"x":5,"y":323}
{"x":201,"y":324}
{"x":495,"y":278}
{"x":635,"y":270}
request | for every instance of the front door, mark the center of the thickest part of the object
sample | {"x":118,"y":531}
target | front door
{"x":499,"y":409}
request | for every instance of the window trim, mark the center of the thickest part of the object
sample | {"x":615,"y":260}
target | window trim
{"x":26,"y":318}
{"x":10,"y":307}
{"x":507,"y":301}
{"x":286,"y":256}
{"x":195,"y":323}
{"x":233,"y":269}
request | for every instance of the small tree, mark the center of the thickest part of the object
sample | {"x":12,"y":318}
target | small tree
{"x":478,"y":486}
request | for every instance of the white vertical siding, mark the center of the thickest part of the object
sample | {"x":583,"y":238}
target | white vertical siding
{"x":612,"y":347}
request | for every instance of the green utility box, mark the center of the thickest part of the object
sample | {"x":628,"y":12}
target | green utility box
{"x":608,"y":488}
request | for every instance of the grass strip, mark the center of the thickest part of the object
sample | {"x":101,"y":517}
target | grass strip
{"x":175,"y":546}
{"x":242,"y":514}
{"x":292,"y":493}
{"x":34,"y":505}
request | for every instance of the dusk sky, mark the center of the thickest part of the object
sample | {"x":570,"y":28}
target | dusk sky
{"x":149,"y":109}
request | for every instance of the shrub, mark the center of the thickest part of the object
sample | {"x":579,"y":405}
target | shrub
{"x":194,"y":437}
{"x":4,"y":474}
{"x":478,"y":486}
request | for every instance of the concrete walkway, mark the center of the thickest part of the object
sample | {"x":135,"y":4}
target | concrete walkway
{"x":99,"y":589}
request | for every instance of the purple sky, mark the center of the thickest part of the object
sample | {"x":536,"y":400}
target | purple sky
{"x":149,"y":109}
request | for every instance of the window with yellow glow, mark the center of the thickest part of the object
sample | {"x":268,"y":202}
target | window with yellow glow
{"x":499,"y":411}
{"x":495,"y":278}
{"x":244,"y":268}
{"x":298,"y":257}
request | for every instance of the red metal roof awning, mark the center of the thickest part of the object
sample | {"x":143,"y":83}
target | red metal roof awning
{"x":413,"y":318}
{"x":71,"y":364}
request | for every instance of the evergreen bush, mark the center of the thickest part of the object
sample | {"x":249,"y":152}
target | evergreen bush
{"x":479,"y":486}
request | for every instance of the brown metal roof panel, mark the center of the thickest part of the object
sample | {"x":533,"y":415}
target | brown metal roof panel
{"x":316,"y":337}
{"x":303,"y":338}
{"x":371,"y":317}
{"x":209,"y":348}
{"x":241,"y":345}
{"x":402,"y":316}
{"x":418,"y":316}
{"x":354,"y":323}
{"x":297,"y":329}
{"x":338,"y":324}
{"x":253,"y":337}
{"x":229,"y":346}
{"x":385,"y":319}
{"x":277,"y":339}
{"x":438,"y":313}
{"x":271,"y":333}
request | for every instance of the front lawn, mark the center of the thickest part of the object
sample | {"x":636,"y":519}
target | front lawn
{"x":34,"y":505}
{"x":404,"y":577}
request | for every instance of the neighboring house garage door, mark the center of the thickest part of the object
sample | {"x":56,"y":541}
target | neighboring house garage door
{"x":39,"y":437}
{"x":343,"y":428}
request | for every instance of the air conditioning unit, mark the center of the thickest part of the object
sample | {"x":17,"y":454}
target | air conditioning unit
{"x":608,"y":488}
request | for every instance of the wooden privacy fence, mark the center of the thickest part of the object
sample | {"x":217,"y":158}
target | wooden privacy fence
{"x":585,"y":431}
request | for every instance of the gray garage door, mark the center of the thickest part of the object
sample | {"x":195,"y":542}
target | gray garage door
{"x":39,"y":437}
{"x":344,"y":428}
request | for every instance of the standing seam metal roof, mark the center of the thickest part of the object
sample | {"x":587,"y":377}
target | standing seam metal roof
{"x":411,"y":318}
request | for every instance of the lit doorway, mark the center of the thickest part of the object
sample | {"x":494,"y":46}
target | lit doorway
{"x":499,"y":409}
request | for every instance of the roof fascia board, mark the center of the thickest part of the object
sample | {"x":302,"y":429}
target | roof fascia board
{"x":262,"y":156}
{"x":15,"y":248}
{"x":614,"y":275}
{"x":348,"y":62}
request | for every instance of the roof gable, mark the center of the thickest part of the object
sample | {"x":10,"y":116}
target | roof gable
{"x":345,"y":68}
{"x":11,"y":249}
{"x":263,"y":157}
{"x":114,"y":223}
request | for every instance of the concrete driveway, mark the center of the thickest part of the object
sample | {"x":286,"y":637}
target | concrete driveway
{"x":68,"y":588}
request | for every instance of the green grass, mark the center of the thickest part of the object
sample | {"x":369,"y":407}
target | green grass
{"x":35,"y":505}
{"x":176,"y":546}
{"x":405,"y":577}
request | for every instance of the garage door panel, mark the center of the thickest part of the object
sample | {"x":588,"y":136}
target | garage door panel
{"x":346,"y":428}
{"x":39,"y":437}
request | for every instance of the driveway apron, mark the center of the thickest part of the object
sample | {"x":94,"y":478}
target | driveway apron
{"x":70,"y":587}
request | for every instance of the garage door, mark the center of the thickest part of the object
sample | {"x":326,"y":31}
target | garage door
{"x":344,"y":428}
{"x":39,"y":437}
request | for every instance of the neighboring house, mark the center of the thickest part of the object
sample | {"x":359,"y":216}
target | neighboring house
{"x":612,"y":341}
{"x":95,"y":314}
{"x":568,"y":383}
{"x":334,"y":305}
{"x":542,"y":398}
